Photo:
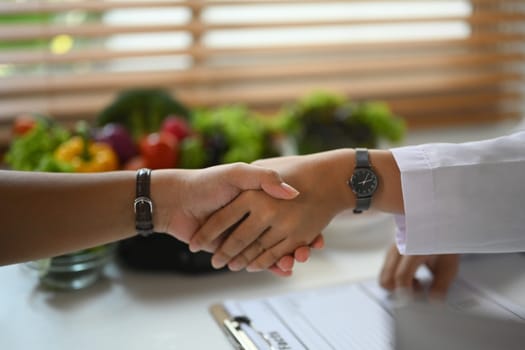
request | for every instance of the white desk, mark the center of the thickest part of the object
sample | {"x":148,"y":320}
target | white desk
{"x":129,"y":310}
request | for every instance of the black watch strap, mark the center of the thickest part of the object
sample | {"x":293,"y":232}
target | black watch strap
{"x":143,"y":206}
{"x":361,"y":204}
{"x":361,"y":158}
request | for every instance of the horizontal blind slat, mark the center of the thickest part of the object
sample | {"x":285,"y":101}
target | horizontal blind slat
{"x":267,"y":2}
{"x":82,"y":55}
{"x":100,"y":54}
{"x":380,"y":88}
{"x":32,"y":32}
{"x":438,"y":104}
{"x":316,"y":68}
{"x":101,"y":6}
{"x":91,"y":6}
{"x":484,"y":39}
{"x":27,"y":32}
{"x":284,"y":92}
{"x":461,"y":119}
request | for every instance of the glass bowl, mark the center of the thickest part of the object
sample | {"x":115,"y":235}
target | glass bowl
{"x":73,"y":271}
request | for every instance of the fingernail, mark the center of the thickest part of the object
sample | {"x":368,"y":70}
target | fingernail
{"x":289,"y":189}
{"x":218,"y":262}
{"x":235,"y":265}
{"x":194,"y":247}
{"x":253,"y":269}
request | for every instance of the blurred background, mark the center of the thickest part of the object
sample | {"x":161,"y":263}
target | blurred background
{"x":435,"y":63}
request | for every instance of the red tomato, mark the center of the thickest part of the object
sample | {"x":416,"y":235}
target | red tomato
{"x":159,"y":150}
{"x":23,"y":124}
{"x":176,"y":126}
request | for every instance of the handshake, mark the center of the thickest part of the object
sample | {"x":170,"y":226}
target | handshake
{"x":247,"y":215}
{"x":266,"y":215}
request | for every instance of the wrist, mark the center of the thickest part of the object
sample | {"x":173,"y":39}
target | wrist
{"x":334,"y":168}
{"x":389,"y":194}
{"x":338,"y":167}
{"x":165,"y":194}
{"x":345,"y":197}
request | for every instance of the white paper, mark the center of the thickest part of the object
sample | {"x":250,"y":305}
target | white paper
{"x":350,"y":316}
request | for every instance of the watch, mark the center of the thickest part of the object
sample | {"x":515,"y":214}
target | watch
{"x":143,"y":206}
{"x":364,"y":180}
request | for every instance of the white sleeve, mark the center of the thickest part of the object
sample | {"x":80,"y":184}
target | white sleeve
{"x":463,"y":198}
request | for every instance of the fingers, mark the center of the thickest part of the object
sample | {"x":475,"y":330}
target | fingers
{"x":445,"y":270}
{"x":220,"y":222}
{"x":406,"y":271}
{"x":284,"y":267}
{"x":399,"y":271}
{"x":269,"y":257}
{"x":251,"y":177}
{"x":318,"y":242}
{"x":244,"y":244}
{"x":242,"y":259}
{"x":278,"y":272}
{"x":302,"y":254}
{"x":388,"y":271}
{"x":286,"y":263}
{"x":255,"y":234}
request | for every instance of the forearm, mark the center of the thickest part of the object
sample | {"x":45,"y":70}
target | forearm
{"x":45,"y":214}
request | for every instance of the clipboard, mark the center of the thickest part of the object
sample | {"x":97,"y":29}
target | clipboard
{"x":232,"y":326}
{"x":284,"y":321}
{"x":321,"y":318}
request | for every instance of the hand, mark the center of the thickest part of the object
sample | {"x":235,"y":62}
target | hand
{"x":185,"y":198}
{"x":257,"y":226}
{"x":242,"y":177}
{"x":266,"y":229}
{"x":399,"y":271}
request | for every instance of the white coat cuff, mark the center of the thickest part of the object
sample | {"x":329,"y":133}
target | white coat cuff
{"x":417,"y":187}
{"x":401,"y":233}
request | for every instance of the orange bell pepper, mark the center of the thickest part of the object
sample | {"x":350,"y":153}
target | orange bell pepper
{"x":86,"y":156}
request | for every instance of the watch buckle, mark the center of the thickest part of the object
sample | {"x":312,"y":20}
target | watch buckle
{"x":142,"y":199}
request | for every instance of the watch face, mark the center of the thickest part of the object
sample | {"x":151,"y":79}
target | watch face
{"x":363,"y":182}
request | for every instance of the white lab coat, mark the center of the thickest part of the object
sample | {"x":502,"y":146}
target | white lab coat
{"x":463,"y":198}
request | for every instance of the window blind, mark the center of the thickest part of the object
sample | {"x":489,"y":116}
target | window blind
{"x":436,"y":62}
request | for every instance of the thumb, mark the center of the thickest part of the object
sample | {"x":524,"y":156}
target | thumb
{"x":279,"y":190}
{"x":251,"y":177}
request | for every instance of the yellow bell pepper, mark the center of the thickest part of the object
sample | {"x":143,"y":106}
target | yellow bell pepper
{"x":87,"y":157}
